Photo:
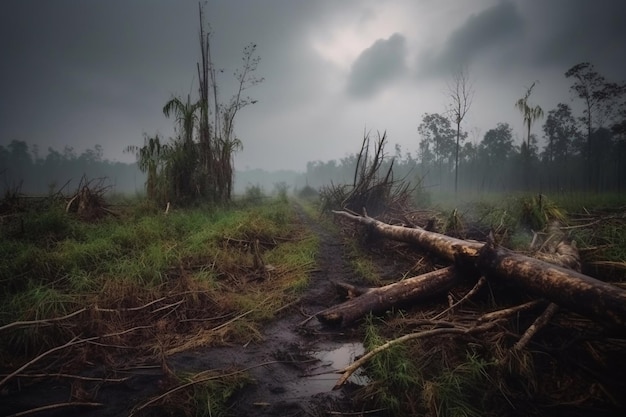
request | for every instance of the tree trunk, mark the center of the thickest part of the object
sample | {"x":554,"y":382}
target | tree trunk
{"x":440,"y":245}
{"x":567,"y":288}
{"x":377,"y":300}
{"x":570,"y":289}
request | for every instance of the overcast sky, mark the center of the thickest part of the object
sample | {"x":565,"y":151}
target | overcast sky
{"x":81,"y":73}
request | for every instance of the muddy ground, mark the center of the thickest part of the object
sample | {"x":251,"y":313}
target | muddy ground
{"x":291,"y":369}
{"x":304,"y":354}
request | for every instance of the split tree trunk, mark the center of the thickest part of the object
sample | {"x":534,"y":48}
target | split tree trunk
{"x":570,"y":289}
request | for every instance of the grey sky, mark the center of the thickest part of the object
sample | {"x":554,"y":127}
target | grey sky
{"x":81,"y":73}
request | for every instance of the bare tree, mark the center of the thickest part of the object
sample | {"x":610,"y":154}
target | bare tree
{"x":218,"y":142}
{"x":461,"y":95}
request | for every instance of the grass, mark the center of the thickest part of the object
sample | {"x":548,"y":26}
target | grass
{"x":395,"y":376}
{"x":188,"y":277}
{"x":448,"y":377}
{"x":460,"y":391}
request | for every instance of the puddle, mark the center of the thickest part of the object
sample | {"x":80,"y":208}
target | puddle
{"x":321,"y":376}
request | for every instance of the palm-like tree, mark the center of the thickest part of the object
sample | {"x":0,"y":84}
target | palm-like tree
{"x":530,"y":114}
{"x":183,"y":160}
{"x":150,"y":157}
{"x":185,"y":114}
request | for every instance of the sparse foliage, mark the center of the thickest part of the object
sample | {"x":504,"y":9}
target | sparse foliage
{"x":198,"y":163}
{"x":530,"y":114}
{"x":461,"y":94}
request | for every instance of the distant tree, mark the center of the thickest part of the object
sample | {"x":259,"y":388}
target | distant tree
{"x":530,"y":114}
{"x":20,"y":153}
{"x":437,"y":140}
{"x":560,"y":130}
{"x":494,"y":153}
{"x":591,"y":87}
{"x":461,"y":94}
{"x":497,"y":145}
{"x":151,"y":159}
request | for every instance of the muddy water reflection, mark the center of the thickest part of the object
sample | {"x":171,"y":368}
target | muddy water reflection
{"x":322,"y":376}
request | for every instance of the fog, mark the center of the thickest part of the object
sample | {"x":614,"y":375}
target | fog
{"x":83,"y":81}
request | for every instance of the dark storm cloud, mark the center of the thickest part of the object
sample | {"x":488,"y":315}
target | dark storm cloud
{"x":70,"y":62}
{"x":377,"y":65}
{"x":566,"y":32}
{"x":488,"y":30}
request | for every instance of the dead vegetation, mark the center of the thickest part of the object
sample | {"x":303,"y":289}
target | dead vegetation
{"x":374,"y":187}
{"x":487,"y":347}
{"x":144,"y":289}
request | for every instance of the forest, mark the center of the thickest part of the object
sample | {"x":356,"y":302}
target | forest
{"x":582,"y":151}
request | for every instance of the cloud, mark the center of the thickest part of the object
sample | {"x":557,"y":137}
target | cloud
{"x":376,"y":66}
{"x":480,"y":33}
{"x":567,"y":32}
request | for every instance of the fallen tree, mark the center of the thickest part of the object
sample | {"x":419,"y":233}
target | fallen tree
{"x":567,"y":288}
{"x":380,"y":299}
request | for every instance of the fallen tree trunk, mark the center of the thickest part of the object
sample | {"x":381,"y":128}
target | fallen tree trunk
{"x":570,"y":289}
{"x":377,"y":300}
{"x":567,"y":288}
{"x":441,"y":245}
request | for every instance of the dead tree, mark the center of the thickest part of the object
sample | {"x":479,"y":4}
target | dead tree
{"x":567,"y":288}
{"x":377,"y":300}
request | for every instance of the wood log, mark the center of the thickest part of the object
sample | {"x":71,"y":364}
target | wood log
{"x":440,"y":245}
{"x":380,"y":299}
{"x":568,"y":288}
{"x":577,"y":292}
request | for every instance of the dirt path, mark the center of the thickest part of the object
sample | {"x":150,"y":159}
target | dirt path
{"x":291,"y":368}
{"x":298,"y":378}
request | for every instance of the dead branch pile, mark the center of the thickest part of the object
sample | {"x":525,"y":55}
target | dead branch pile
{"x":373,"y":187}
{"x":88,"y":202}
{"x":553,"y":334}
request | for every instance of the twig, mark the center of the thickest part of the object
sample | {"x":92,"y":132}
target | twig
{"x":71,"y":376}
{"x":42,"y":321}
{"x":168,"y":306}
{"x":507,"y":312}
{"x":115,"y":310}
{"x":481,"y":282}
{"x":349,"y":370}
{"x":54,"y":407}
{"x":537,"y":325}
{"x":232,"y":320}
{"x":74,"y":341}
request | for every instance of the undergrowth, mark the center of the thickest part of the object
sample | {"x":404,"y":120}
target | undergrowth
{"x":146,"y":283}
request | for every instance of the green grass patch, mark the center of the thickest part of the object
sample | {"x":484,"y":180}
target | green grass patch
{"x":202,"y":259}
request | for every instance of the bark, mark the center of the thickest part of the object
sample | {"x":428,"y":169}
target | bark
{"x":377,"y":300}
{"x":567,"y":288}
{"x":577,"y":292}
{"x":443,"y":246}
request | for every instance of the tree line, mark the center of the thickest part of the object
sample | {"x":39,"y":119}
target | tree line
{"x":581,"y":151}
{"x":25,"y":170}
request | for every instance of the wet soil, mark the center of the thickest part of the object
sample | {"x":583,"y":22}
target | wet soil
{"x":292,"y":369}
{"x":301,"y":355}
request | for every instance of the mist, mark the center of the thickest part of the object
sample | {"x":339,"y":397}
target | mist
{"x":82,"y":83}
